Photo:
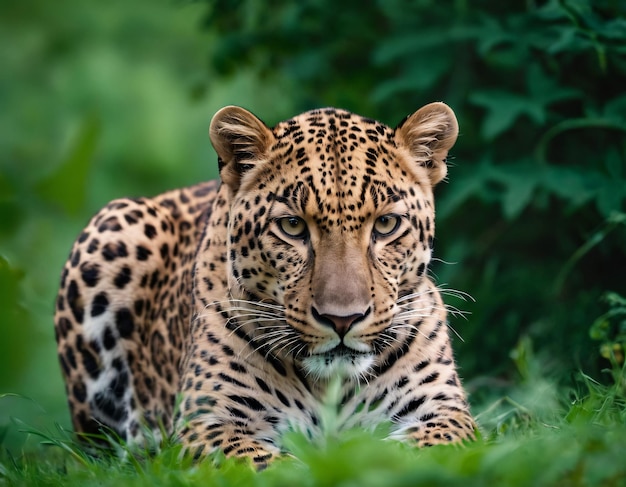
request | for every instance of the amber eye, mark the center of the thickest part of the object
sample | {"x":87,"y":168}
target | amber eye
{"x":292,"y":226}
{"x":387,"y":224}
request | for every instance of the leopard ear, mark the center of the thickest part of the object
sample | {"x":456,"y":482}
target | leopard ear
{"x":428,"y":134}
{"x":241,"y":141}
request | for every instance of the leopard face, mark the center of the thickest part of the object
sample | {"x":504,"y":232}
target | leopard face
{"x":331,"y":229}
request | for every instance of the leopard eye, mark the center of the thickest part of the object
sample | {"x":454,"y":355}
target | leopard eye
{"x":292,"y":226}
{"x":386,"y":225}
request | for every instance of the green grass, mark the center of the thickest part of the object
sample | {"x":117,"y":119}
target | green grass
{"x":538,"y":435}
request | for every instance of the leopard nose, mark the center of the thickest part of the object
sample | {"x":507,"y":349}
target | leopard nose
{"x":341,"y":324}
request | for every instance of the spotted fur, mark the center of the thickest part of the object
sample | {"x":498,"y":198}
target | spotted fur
{"x":307,"y":264}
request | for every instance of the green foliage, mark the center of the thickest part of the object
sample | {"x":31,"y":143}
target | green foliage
{"x":13,"y":346}
{"x":610,"y":330}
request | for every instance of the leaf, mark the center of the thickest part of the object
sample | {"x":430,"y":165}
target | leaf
{"x":503,"y":109}
{"x":520,"y":179}
{"x":574,"y":186}
{"x":613,"y":164}
{"x":567,"y":40}
{"x":492,"y":36}
{"x":518,"y":196}
{"x":599,"y":329}
{"x":545,"y":90}
{"x":67,"y":186}
{"x":422,"y":76}
{"x":407,"y":46}
{"x":615,"y":109}
{"x":466,"y":184}
{"x":613,"y":300}
{"x":551,"y":11}
{"x":614,"y":29}
{"x":610,"y":197}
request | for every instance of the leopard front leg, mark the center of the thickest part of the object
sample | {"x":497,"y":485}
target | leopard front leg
{"x":238,"y":406}
{"x":446,"y":427}
{"x":435,"y":412}
{"x":427,"y":402}
{"x":200,"y":438}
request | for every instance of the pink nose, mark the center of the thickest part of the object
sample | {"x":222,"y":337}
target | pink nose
{"x":341,"y":324}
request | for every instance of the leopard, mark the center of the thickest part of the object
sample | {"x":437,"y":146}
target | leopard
{"x":224,"y":313}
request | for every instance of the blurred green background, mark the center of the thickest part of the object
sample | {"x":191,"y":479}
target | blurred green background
{"x":107,"y":99}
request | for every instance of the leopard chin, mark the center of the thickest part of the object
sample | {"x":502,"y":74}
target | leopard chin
{"x":344,"y":364}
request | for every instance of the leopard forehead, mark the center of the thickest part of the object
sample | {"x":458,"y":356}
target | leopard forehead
{"x":334,"y":164}
{"x":334,"y":140}
{"x":335,"y":123}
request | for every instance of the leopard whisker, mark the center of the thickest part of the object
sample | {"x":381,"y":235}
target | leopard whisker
{"x":260,"y":304}
{"x":456,"y":293}
{"x":232,"y":305}
{"x":287,"y":341}
{"x":291,"y":350}
{"x":456,"y":312}
{"x":269,"y":327}
{"x":438,"y":289}
{"x":388,"y":340}
{"x":293,"y":343}
{"x":405,"y":326}
{"x":263,"y":320}
{"x":301,"y":350}
{"x":414,"y":312}
{"x":269,"y":336}
{"x":455,"y":332}
{"x":256,"y":319}
{"x":256,"y":316}
{"x":239,"y":315}
{"x":453,"y":310}
{"x":274,"y":343}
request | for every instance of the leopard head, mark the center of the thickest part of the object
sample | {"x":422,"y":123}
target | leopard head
{"x":330,"y":227}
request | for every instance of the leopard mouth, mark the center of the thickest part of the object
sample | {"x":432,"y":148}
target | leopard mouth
{"x":342,"y":351}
